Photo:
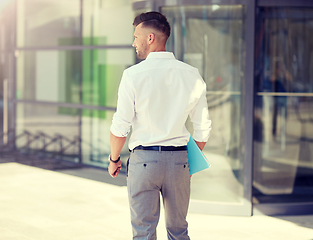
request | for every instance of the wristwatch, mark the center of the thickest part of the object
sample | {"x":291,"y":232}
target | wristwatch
{"x":114,"y":161}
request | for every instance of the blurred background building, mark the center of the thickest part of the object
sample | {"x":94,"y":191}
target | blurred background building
{"x":61,"y":62}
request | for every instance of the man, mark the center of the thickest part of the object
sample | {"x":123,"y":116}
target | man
{"x":155,"y":98}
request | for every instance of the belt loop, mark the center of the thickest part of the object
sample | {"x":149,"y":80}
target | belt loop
{"x":160,"y":148}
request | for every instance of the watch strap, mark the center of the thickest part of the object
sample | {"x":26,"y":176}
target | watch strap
{"x":115,"y":161}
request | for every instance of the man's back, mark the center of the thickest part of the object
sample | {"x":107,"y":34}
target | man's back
{"x":164,"y":91}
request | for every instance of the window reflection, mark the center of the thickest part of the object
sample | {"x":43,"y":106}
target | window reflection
{"x":47,"y":131}
{"x":52,"y":76}
{"x":89,"y":77}
{"x":283,"y":123}
{"x":107,"y":22}
{"x":210,"y":38}
{"x":48,"y":23}
{"x":102,"y":72}
{"x":95,"y":143}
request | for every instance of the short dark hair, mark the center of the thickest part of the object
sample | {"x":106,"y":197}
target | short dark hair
{"x":154,"y":20}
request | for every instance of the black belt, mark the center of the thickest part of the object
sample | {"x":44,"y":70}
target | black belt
{"x":161,"y":148}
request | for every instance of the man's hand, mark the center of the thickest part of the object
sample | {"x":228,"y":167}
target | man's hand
{"x":115,"y":168}
{"x":200,"y":145}
{"x":116,"y":144}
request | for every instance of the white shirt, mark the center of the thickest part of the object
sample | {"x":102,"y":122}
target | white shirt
{"x":155,"y":97}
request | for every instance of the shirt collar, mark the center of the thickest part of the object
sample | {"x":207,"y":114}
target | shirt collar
{"x":155,"y":55}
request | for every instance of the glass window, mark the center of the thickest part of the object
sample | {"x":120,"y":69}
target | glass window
{"x":96,"y":138}
{"x":102,"y":72}
{"x":47,"y":128}
{"x":50,"y":75}
{"x":56,"y":76}
{"x":48,"y":23}
{"x":107,"y":22}
{"x":211,"y":38}
{"x":283,"y":116}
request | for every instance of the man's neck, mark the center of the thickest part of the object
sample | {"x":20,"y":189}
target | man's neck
{"x":158,"y":49}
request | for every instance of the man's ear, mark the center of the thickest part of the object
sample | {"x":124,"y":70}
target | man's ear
{"x":151,"y":38}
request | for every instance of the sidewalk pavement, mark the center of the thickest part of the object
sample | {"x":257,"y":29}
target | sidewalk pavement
{"x":37,"y":204}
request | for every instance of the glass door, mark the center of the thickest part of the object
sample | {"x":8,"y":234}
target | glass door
{"x":283,"y":109}
{"x":212,"y":39}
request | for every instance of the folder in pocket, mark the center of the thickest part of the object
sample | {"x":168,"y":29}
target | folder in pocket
{"x":196,"y":159}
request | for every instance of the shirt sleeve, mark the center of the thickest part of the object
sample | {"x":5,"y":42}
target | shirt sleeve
{"x":125,"y":112}
{"x":199,"y":116}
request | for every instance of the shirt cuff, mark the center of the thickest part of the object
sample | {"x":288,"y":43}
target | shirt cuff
{"x":201,"y":137}
{"x":202,"y":134}
{"x":116,"y":131}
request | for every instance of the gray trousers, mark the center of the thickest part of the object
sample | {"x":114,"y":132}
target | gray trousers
{"x":149,"y":174}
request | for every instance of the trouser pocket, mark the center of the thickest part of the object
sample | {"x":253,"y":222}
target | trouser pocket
{"x":182,"y":165}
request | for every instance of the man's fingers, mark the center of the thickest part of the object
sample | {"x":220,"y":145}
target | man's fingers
{"x":116,"y":172}
{"x":114,"y":169}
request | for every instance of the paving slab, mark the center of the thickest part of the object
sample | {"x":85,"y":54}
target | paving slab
{"x":37,"y":204}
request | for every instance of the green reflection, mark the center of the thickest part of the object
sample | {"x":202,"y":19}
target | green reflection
{"x":49,"y":75}
{"x":102,"y":71}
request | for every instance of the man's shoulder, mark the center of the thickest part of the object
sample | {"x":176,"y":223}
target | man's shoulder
{"x":138,"y":67}
{"x":186,"y":66}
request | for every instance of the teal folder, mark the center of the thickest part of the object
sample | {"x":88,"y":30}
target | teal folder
{"x":196,"y":159}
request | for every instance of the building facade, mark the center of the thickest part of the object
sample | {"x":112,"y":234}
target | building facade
{"x":61,"y":63}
